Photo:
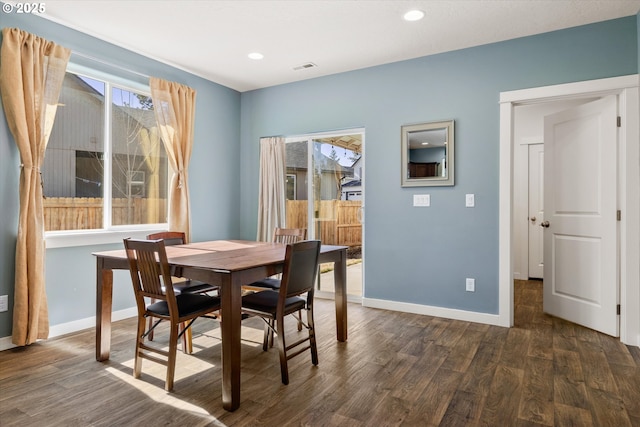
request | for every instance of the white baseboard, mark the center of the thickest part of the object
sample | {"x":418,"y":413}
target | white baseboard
{"x":75,"y":326}
{"x":448,"y":313}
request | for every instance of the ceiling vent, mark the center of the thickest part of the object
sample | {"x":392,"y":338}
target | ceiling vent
{"x":305,"y":66}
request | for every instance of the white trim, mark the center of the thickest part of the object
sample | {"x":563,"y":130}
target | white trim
{"x":98,"y":237}
{"x":428,"y":310}
{"x":75,"y":326}
{"x":531,"y":140}
{"x":627,"y":88}
{"x":587,"y":88}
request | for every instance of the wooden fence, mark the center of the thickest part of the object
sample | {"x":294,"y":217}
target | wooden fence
{"x":336,"y":221}
{"x":86,"y":213}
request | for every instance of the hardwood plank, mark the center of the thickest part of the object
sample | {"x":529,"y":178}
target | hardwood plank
{"x":608,"y":409}
{"x":464,"y":409}
{"x":501,"y":404}
{"x":628,"y":382}
{"x":536,"y":404}
{"x":571,"y":416}
{"x":515,"y":346}
{"x":568,"y":385}
{"x":434,"y":400}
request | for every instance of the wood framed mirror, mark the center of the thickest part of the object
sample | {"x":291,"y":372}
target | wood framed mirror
{"x":428,"y":154}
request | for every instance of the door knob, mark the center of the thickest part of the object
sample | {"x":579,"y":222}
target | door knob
{"x":533,"y":219}
{"x":544,"y":224}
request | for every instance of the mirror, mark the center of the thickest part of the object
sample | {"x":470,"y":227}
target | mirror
{"x":427,"y":154}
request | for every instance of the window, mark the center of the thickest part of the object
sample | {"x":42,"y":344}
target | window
{"x":291,"y":187}
{"x":105,"y":166}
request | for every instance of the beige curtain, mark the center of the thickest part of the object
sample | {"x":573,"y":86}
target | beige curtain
{"x":150,"y":143}
{"x":272,"y":188}
{"x":174,"y":105}
{"x":31,"y":73}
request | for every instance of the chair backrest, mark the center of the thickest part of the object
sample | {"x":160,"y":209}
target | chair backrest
{"x":149,"y":269}
{"x":289,"y":235}
{"x":300,"y":268}
{"x":170,"y":237}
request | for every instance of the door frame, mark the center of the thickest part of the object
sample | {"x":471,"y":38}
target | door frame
{"x":627,"y":88}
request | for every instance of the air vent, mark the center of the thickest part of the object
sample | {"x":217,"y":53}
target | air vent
{"x":305,"y":66}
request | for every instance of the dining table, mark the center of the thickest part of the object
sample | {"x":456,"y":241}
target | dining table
{"x":229,"y":264}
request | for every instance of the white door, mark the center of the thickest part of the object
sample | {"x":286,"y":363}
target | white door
{"x":536,"y":210}
{"x":580,"y":241}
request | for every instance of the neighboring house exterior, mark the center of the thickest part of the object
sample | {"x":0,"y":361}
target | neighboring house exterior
{"x":73,"y":165}
{"x":352,"y":186}
{"x":330,"y":173}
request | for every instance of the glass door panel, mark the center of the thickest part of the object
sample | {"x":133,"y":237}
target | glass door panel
{"x":324,"y":194}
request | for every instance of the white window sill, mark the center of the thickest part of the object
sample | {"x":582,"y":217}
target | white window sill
{"x":59,"y":239}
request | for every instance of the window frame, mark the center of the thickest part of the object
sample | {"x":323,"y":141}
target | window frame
{"x":109,"y":234}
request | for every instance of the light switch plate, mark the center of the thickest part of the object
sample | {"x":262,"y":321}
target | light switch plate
{"x":469,"y":200}
{"x":471,"y":285}
{"x":4,"y":303}
{"x":421,"y":200}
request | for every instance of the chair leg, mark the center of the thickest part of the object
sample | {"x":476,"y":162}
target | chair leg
{"x":284,"y":369}
{"x":150,"y":335}
{"x":171,"y":362}
{"x":268,"y":334}
{"x":312,"y":336}
{"x":299,"y":320}
{"x":187,"y":339}
{"x":137,"y":364}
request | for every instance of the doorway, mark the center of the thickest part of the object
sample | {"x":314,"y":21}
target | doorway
{"x":325,"y":194}
{"x":512,"y":262}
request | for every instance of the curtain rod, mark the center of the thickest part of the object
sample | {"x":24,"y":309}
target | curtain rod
{"x":100,"y":61}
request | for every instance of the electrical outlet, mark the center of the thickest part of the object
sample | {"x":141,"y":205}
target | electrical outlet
{"x":4,"y":303}
{"x":471,"y":285}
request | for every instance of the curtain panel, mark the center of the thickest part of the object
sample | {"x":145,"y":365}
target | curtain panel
{"x":174,"y":105}
{"x":272,"y":187}
{"x":32,"y":70}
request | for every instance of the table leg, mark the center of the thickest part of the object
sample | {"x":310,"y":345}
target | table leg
{"x":104,"y":296}
{"x":340,"y":280}
{"x":231,"y":307}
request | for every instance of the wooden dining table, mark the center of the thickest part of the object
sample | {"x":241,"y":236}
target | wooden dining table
{"x":229,"y":264}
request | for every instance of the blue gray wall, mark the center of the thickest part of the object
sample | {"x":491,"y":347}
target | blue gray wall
{"x":213,"y":178}
{"x":423,"y":255}
{"x":413,"y":255}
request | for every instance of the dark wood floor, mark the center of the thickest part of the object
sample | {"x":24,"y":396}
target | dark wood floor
{"x":396,"y":369}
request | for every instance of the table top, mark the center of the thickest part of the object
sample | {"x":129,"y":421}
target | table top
{"x":223,"y":255}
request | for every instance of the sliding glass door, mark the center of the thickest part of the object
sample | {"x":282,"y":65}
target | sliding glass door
{"x":325,"y":194}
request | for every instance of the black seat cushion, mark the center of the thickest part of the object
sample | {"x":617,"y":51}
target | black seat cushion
{"x":267,"y":302}
{"x":192,"y":287}
{"x":268,"y":283}
{"x":187,"y":303}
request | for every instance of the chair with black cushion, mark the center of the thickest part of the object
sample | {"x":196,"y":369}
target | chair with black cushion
{"x":280,"y":235}
{"x":298,"y":278}
{"x":180,"y":284}
{"x":151,"y":278}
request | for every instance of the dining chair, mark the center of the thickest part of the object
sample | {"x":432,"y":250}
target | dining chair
{"x":181,"y":285}
{"x":298,"y":278}
{"x":280,"y":235}
{"x":151,"y":276}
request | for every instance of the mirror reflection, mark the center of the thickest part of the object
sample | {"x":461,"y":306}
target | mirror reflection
{"x":427,"y":154}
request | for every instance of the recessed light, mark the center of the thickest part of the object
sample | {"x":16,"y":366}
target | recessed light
{"x":414,"y":15}
{"x":255,"y":55}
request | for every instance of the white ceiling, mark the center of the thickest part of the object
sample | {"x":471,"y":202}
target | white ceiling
{"x":211,"y":38}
